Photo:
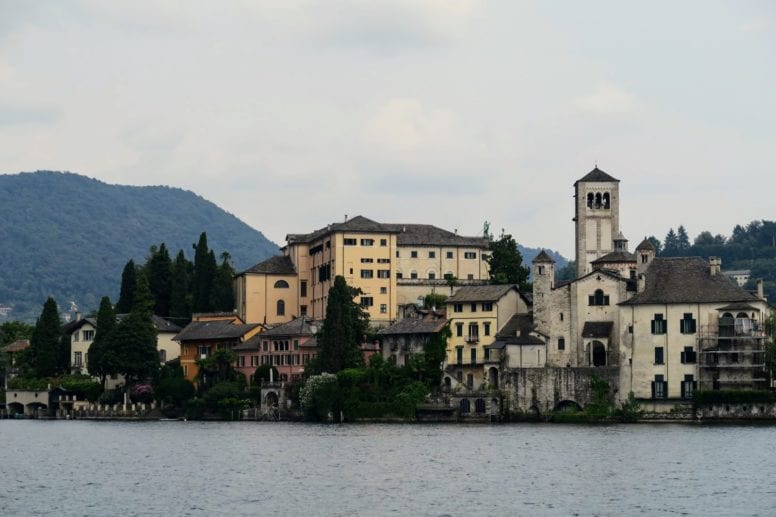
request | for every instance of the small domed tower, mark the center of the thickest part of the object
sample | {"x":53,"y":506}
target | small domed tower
{"x":645,"y":252}
{"x":543,"y":272}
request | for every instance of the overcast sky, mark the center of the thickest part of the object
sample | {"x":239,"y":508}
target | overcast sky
{"x":291,"y":114}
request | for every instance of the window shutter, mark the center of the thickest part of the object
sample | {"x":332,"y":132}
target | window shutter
{"x":665,"y":389}
{"x":653,"y":326}
{"x":684,"y":358}
{"x":653,"y":389}
{"x":682,"y":386}
{"x":692,"y":326}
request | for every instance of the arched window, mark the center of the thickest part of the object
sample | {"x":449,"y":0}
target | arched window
{"x":606,"y":200}
{"x":590,"y":200}
{"x":413,"y":274}
{"x":479,"y":405}
{"x":432,"y":275}
{"x":598,"y":298}
{"x":281,"y":308}
{"x":598,"y":200}
{"x":281,"y":284}
{"x":465,"y":406}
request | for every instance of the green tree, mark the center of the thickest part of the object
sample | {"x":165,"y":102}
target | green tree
{"x":180,"y":297}
{"x":223,"y":291}
{"x":434,"y":301}
{"x":45,"y":354}
{"x":159,"y":272}
{"x":506,"y":263}
{"x":204,"y":276}
{"x":135,"y":338}
{"x":262,"y":373}
{"x":656,"y":243}
{"x":217,"y":367}
{"x":128,"y":288}
{"x":11,"y":331}
{"x":671,"y":244}
{"x":343,"y":328}
{"x":433,"y":355}
{"x":103,"y":360}
{"x":682,"y":239}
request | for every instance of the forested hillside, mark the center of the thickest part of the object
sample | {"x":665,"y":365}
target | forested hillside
{"x":69,"y":236}
{"x":748,"y":247}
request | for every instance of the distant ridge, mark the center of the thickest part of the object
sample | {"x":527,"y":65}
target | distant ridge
{"x":69,"y":236}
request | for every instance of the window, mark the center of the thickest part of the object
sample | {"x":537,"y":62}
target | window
{"x":470,"y":276}
{"x":688,"y":355}
{"x":398,"y":275}
{"x":281,"y":308}
{"x":397,"y":253}
{"x":449,"y":275}
{"x":383,"y":290}
{"x":328,"y":245}
{"x":303,"y":288}
{"x":459,"y":329}
{"x":644,"y":258}
{"x":659,"y":388}
{"x":431,"y":275}
{"x":367,"y":301}
{"x":598,"y":298}
{"x":449,"y":254}
{"x":413,"y":274}
{"x":383,"y":242}
{"x":383,"y":261}
{"x":324,"y":272}
{"x":470,"y":383}
{"x":561,"y":343}
{"x":561,"y":316}
{"x":459,"y":355}
{"x":659,"y":355}
{"x":473,"y":355}
{"x":266,"y":346}
{"x":367,"y":260}
{"x":77,"y":357}
{"x":162,"y":356}
{"x":487,"y":307}
{"x":303,"y":310}
{"x":541,"y":270}
{"x":367,"y":242}
{"x":464,"y":406}
{"x":687,"y":324}
{"x":413,"y":254}
{"x":296,"y":344}
{"x":367,"y":273}
{"x":75,"y":335}
{"x":350,"y":242}
{"x":254,"y":360}
{"x":457,"y":307}
{"x":486,"y":328}
{"x":474,"y":332}
{"x":605,"y":201}
{"x":590,"y":200}
{"x":281,"y":284}
{"x":432,"y":254}
{"x":88,"y":335}
{"x":688,"y":386}
{"x":204,"y":351}
{"x":470,"y":255}
{"x":658,"y":324}
{"x":383,"y":308}
{"x":383,"y":273}
{"x":473,"y":307}
{"x":241,"y":361}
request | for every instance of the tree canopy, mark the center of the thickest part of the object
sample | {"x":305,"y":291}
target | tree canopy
{"x":103,"y":359}
{"x":506,"y":263}
{"x":47,"y":357}
{"x":343,"y":329}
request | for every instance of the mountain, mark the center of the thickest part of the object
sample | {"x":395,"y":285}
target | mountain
{"x":69,"y":236}
{"x":530,"y":253}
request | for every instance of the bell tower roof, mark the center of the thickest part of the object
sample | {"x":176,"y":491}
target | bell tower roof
{"x":543,"y":258}
{"x":596,"y":176}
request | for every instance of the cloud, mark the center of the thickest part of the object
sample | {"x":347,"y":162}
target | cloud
{"x":607,"y":99}
{"x":758,"y":25}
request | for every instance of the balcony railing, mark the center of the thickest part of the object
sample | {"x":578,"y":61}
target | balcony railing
{"x":472,"y":339}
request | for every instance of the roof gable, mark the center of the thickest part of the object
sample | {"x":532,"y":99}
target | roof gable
{"x":596,"y":176}
{"x":277,"y":265}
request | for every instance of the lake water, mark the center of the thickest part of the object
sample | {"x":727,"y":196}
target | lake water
{"x":246,"y":468}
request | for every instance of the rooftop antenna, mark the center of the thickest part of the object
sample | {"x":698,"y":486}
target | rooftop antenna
{"x":346,"y":217}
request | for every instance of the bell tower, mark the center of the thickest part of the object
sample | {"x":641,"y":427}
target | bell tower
{"x":596,"y":218}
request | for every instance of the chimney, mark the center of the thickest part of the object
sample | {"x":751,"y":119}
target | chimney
{"x":77,"y":316}
{"x":642,"y":283}
{"x":760,"y":289}
{"x":715,"y":264}
{"x":346,"y":217}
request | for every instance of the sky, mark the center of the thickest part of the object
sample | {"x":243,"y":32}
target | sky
{"x":291,"y":114}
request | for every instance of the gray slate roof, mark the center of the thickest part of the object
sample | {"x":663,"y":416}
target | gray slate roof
{"x":75,"y":325}
{"x":408,"y":234}
{"x":214,"y":330}
{"x":414,"y":326}
{"x":543,"y":257}
{"x":517,"y":331}
{"x":687,"y":280}
{"x":296,"y":327}
{"x":277,"y":265}
{"x":163,"y":325}
{"x":596,"y":175}
{"x":615,"y":257}
{"x":481,"y":293}
{"x":646,"y":245}
{"x":597,"y":329}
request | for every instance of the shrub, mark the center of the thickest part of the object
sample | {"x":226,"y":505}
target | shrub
{"x":320,"y":396}
{"x":175,"y":390}
{"x":142,"y":393}
{"x":195,"y":409}
{"x":220,"y":391}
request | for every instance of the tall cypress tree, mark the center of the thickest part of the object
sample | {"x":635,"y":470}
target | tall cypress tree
{"x":159,"y":271}
{"x":223,"y":295}
{"x":345,"y":325}
{"x":128,"y":288}
{"x":103,"y":360}
{"x":180,"y":298}
{"x":45,"y":343}
{"x":135,"y":338}
{"x":204,"y":276}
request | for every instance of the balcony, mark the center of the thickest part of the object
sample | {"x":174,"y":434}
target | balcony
{"x":472,"y":339}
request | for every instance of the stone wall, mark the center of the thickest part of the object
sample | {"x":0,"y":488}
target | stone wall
{"x":542,"y":390}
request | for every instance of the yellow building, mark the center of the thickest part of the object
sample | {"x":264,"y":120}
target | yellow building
{"x":270,"y":292}
{"x":476,"y":315}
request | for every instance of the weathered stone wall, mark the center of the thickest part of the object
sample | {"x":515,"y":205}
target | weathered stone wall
{"x":530,"y":390}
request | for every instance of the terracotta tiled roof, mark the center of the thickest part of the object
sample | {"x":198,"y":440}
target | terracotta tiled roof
{"x":687,"y":280}
{"x":16,"y":346}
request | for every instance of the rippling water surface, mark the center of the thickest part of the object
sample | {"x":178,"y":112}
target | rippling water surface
{"x":193,"y":468}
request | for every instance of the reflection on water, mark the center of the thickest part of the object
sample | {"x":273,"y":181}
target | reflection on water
{"x":247,"y":468}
